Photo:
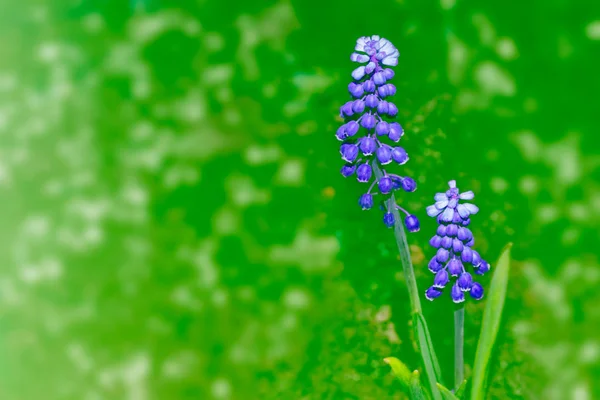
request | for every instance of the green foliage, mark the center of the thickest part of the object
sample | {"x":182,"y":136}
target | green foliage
{"x":491,"y":323}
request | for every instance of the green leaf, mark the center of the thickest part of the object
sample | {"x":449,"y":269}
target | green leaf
{"x":460,"y":392}
{"x":399,"y":369}
{"x":416,"y":391}
{"x":446,"y":394}
{"x":430,"y":362}
{"x":491,"y":323}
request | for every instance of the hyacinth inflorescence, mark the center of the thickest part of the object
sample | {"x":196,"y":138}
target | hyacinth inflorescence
{"x":454,"y":242}
{"x":367,"y":124}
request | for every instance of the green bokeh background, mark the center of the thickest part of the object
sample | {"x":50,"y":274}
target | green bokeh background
{"x":174,"y":225}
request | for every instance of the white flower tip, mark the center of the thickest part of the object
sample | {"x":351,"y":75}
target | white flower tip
{"x":452,"y":184}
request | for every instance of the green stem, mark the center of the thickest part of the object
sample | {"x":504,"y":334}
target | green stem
{"x":459,"y":344}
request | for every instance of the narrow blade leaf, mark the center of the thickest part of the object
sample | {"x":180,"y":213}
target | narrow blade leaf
{"x":446,"y":394}
{"x":400,"y":370}
{"x":460,"y":392}
{"x":416,"y":391}
{"x":491,"y":323}
{"x":430,"y":362}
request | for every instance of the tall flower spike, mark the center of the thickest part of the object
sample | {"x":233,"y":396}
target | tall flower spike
{"x":368,"y":122}
{"x":454,"y":242}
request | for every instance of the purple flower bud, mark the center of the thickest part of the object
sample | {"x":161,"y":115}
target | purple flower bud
{"x":352,"y":127}
{"x":392,"y":110}
{"x":397,"y":182}
{"x":409,"y":184}
{"x":358,"y":106}
{"x":441,"y":230}
{"x":369,"y":86}
{"x":442,"y":255}
{"x":349,"y":153}
{"x":358,"y":73}
{"x":359,"y":58}
{"x":347,"y":109}
{"x":371,"y":101}
{"x":341,"y":133}
{"x":383,"y":107}
{"x":382,"y":128}
{"x":368,"y":121}
{"x":370,"y":67}
{"x":466,"y":222}
{"x":366,"y":201}
{"x":388,"y":219}
{"x":368,"y":145}
{"x":446,"y":241}
{"x":432,"y":293}
{"x":436,"y":241}
{"x":455,"y":267}
{"x":476,"y":291}
{"x":457,"y":245}
{"x":467,"y":254}
{"x":396,"y":131}
{"x":388,"y":73}
{"x":385,"y":185}
{"x":476,"y":259}
{"x":383,"y":91}
{"x":384,"y":155}
{"x":434,"y":266}
{"x":464,"y":281}
{"x":399,"y":155}
{"x":412,"y":223}
{"x":357,"y":91}
{"x":379,"y":78}
{"x":483,"y":268}
{"x":363,"y":173}
{"x":464,"y":234}
{"x":391,"y":89}
{"x":457,"y":295}
{"x":441,"y":279}
{"x":470,"y":243}
{"x":452,"y":230}
{"x":348,"y":170}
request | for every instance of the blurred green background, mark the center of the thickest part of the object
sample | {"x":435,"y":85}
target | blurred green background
{"x":174,"y":225}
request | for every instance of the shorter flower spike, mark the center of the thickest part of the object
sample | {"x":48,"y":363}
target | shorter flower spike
{"x":454,"y":241}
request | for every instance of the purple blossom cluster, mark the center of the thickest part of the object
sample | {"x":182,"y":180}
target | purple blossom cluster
{"x":368,"y":122}
{"x":454,"y":243}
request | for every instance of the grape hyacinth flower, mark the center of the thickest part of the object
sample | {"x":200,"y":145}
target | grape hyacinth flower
{"x":454,"y":243}
{"x":368,"y":121}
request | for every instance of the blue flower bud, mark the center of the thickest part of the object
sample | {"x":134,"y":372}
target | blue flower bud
{"x":358,"y":73}
{"x":366,"y":201}
{"x":369,"y":86}
{"x":436,"y":241}
{"x":371,"y":101}
{"x":388,"y":219}
{"x":397,"y":182}
{"x":442,"y":255}
{"x":382,"y":128}
{"x":348,"y":170}
{"x":457,"y":295}
{"x":347,"y":110}
{"x":370,"y":67}
{"x":383,"y":91}
{"x":383,"y":107}
{"x":457,"y":245}
{"x":452,"y":230}
{"x":446,"y":241}
{"x":467,"y":254}
{"x":396,"y":131}
{"x":409,"y":184}
{"x":359,"y":58}
{"x":441,"y":279}
{"x":384,"y":155}
{"x":363,"y":173}
{"x":349,"y":153}
{"x":466,"y":222}
{"x":441,"y":230}
{"x":470,"y":243}
{"x":358,"y":106}
{"x":351,"y":128}
{"x":391,"y":89}
{"x":399,"y":155}
{"x":476,"y":259}
{"x":412,"y":223}
{"x":385,"y":185}
{"x":464,"y":281}
{"x":379,"y":78}
{"x":357,"y":91}
{"x":432,"y":293}
{"x":341,"y":134}
{"x":392,"y":110}
{"x":464,"y":234}
{"x":368,"y":145}
{"x":476,"y":291}
{"x":434,"y":266}
{"x":483,"y":268}
{"x":388,"y":73}
{"x":455,"y":267}
{"x":368,"y":121}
